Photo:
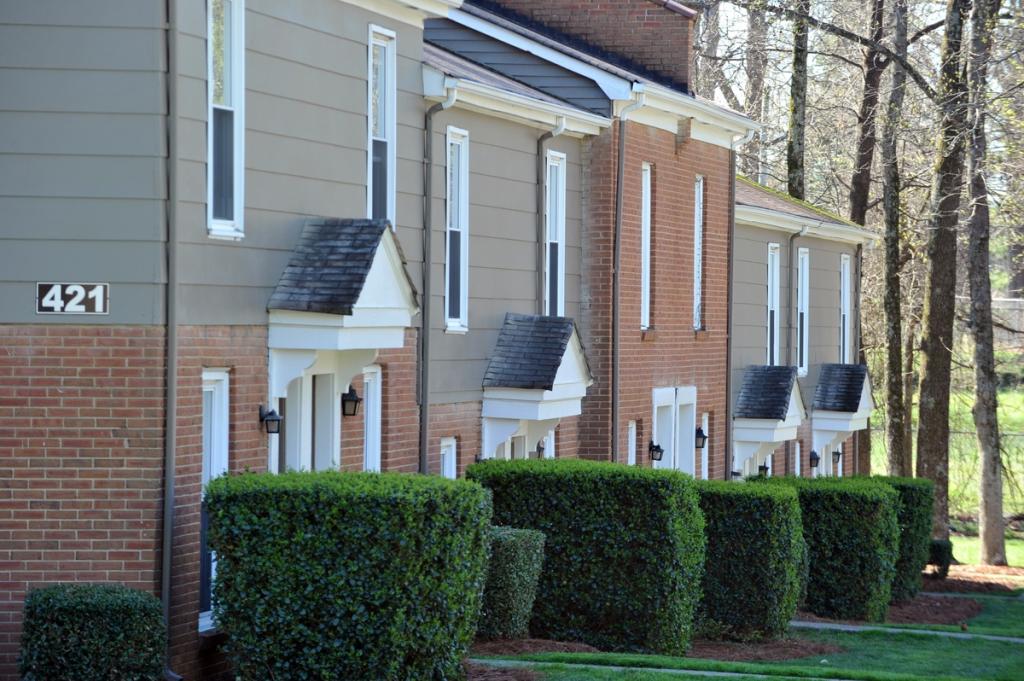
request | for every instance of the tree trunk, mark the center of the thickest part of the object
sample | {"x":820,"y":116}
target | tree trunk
{"x":906,"y":464}
{"x":874,"y":65}
{"x":798,"y":104}
{"x":986,"y":423}
{"x":940,"y":281}
{"x":754,"y":99}
{"x":896,"y":423}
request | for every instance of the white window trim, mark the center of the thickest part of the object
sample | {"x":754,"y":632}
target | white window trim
{"x":705,"y":424}
{"x":796,"y":458}
{"x":698,"y":252}
{"x":774,"y":275}
{"x":372,"y":419}
{"x":449,"y":458}
{"x":646,"y":178}
{"x":803,"y":300}
{"x":216,"y":381}
{"x":228,"y":229}
{"x":457,"y":137}
{"x":631,"y":443}
{"x":845,"y":325}
{"x":555,"y":159}
{"x":379,"y":35}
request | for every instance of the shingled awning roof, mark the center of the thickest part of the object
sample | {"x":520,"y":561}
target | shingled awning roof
{"x":529,"y":351}
{"x":765,"y":392}
{"x":330,"y":264}
{"x":840,"y":387}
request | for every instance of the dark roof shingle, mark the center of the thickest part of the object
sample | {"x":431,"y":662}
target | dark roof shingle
{"x":329,"y":266}
{"x":765,"y":392}
{"x":528,"y":352}
{"x":839,"y":387}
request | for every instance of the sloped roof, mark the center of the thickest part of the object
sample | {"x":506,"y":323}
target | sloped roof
{"x":839,"y":387}
{"x":329,"y":266}
{"x":765,"y":392}
{"x":528,"y":352}
{"x":750,"y":193}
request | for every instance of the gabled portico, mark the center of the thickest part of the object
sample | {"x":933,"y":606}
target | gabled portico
{"x":842,"y":406}
{"x":769,"y":411}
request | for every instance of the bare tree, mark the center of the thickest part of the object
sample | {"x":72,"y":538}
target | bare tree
{"x":798,"y":104}
{"x":874,"y":65}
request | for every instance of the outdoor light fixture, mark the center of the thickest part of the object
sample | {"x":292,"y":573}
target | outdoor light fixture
{"x":762,"y":470}
{"x":271,"y":420}
{"x":655,"y":451}
{"x":815,"y":459}
{"x":736,"y":475}
{"x":837,"y":456}
{"x":350,"y":402}
{"x":702,"y":438}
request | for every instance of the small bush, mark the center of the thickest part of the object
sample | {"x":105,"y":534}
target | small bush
{"x":914,"y":514}
{"x":624,"y":549}
{"x":516,"y":559}
{"x":940,"y":554}
{"x":755,"y":559}
{"x":348,"y":575}
{"x":852,"y":538}
{"x":92,"y":632}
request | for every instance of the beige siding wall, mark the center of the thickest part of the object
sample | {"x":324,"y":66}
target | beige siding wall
{"x":750,"y":302}
{"x":82,"y":147}
{"x":502,"y":243}
{"x":306,"y":65}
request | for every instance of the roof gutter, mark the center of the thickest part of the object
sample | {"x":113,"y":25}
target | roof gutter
{"x":639,"y":99}
{"x":451,"y":94}
{"x":559,"y":129}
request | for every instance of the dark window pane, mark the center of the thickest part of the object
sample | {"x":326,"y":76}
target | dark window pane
{"x":454,"y":274}
{"x":205,"y":563}
{"x":800,"y":344}
{"x":379,"y":181}
{"x":282,"y":438}
{"x":771,"y":336}
{"x":553,"y":278}
{"x":223,"y":164}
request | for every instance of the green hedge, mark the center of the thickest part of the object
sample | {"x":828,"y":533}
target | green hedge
{"x":624,"y":550}
{"x":755,"y":559}
{"x":916,"y":496}
{"x":852,"y":538}
{"x":92,"y":632}
{"x":348,"y":575}
{"x":516,"y":559}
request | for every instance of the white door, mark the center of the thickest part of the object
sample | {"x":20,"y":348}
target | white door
{"x":674,"y":427}
{"x":663,"y":431}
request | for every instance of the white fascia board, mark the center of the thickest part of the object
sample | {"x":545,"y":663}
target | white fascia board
{"x":510,"y":106}
{"x":778,"y":221}
{"x":411,"y":12}
{"x":664,"y":107}
{"x":613,"y":86}
{"x":762,"y":430}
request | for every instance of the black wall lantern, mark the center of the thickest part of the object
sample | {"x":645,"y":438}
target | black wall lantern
{"x":762,"y":470}
{"x":655,"y":451}
{"x":271,"y":420}
{"x":350,"y":402}
{"x":701,"y":439}
{"x":736,"y":475}
{"x":837,"y":456}
{"x":815,"y":459}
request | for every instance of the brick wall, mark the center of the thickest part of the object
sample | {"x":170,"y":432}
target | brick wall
{"x":81,"y":456}
{"x":644,"y":32}
{"x":671,"y":353}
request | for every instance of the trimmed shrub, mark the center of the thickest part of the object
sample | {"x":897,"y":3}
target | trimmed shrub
{"x":914,"y":514}
{"x":755,"y":557}
{"x":348,"y":575}
{"x":624,"y":550}
{"x":852,"y":538}
{"x":940,"y":554}
{"x":516,"y":559}
{"x":92,"y":632}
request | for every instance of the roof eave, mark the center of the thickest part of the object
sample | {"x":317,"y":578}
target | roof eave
{"x":780,"y":221}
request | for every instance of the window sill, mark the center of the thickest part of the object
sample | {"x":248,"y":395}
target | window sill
{"x":702,"y":332}
{"x":801,"y":373}
{"x":456,"y":329}
{"x":648,"y":334}
{"x":226,"y":231}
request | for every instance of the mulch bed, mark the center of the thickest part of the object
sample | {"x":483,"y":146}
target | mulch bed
{"x":922,"y":610}
{"x":977,"y":579}
{"x":529,"y":645}
{"x":478,"y":672}
{"x":782,"y":649}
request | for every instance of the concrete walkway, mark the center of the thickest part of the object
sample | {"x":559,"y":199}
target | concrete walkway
{"x":526,"y":664}
{"x":830,"y":626}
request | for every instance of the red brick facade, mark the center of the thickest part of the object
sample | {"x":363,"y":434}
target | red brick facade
{"x":670,"y":353}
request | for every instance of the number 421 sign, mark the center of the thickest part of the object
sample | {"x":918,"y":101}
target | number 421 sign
{"x":65,"y":298}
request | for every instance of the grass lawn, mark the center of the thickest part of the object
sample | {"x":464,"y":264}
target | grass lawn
{"x":1002,"y":616}
{"x":868,"y":656}
{"x":563,"y":673}
{"x":968,"y":550}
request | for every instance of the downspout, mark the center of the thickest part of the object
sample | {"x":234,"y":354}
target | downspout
{"x":559,"y":129}
{"x":639,"y":99}
{"x":428,"y":229}
{"x":171,"y":318}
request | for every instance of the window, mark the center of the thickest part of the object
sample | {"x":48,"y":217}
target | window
{"x":456,"y":291}
{"x":796,"y":458}
{"x":371,"y":418}
{"x":844,"y":309}
{"x":225,"y":138}
{"x":645,"y":246}
{"x":631,"y":443}
{"x":773,"y":304}
{"x":554,"y":220}
{"x":215,"y":463}
{"x":698,"y":252}
{"x":803,"y":295}
{"x":449,"y":451}
{"x":381,"y":128}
